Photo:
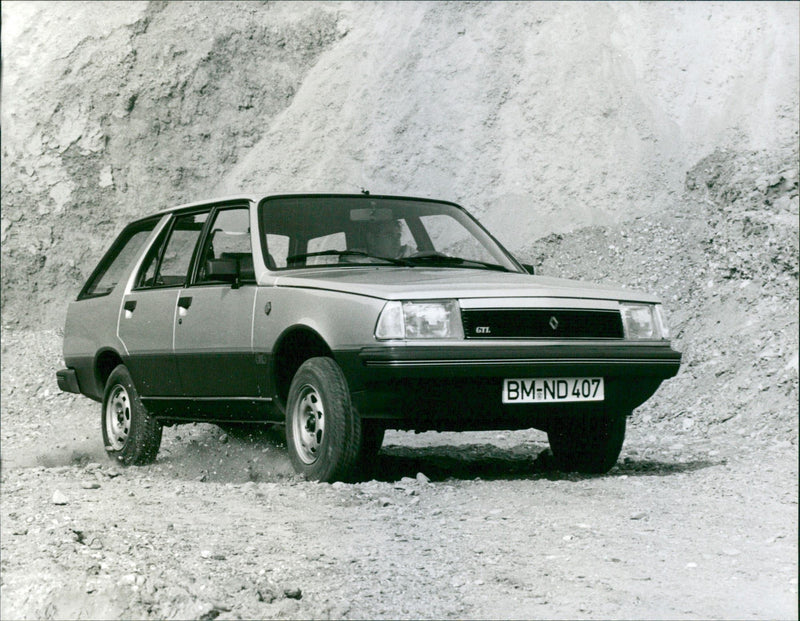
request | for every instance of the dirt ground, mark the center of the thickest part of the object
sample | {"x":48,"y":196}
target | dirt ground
{"x":665,"y":536}
{"x":473,"y":525}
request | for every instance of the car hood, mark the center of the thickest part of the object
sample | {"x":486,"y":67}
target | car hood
{"x":404,"y":283}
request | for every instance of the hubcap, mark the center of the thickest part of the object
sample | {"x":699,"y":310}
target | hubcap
{"x":118,"y":418}
{"x":308,"y":424}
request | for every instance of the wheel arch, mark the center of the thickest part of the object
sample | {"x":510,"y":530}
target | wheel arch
{"x":293,"y":347}
{"x":105,"y":361}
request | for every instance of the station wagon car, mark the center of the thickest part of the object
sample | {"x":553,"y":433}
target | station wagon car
{"x":342,"y":316}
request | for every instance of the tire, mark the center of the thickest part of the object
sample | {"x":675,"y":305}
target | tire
{"x":323,"y":429}
{"x":130,"y":434}
{"x":588,"y":443}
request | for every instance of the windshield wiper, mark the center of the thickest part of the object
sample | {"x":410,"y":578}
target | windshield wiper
{"x":422,"y":258}
{"x":343,"y":253}
{"x":428,"y":258}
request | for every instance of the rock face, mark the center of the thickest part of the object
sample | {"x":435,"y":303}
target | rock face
{"x":538,"y":117}
{"x":724,"y":259}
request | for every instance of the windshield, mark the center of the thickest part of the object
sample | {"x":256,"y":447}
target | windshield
{"x":304,"y":231}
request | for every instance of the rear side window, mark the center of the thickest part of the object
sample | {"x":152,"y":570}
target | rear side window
{"x":177,"y":256}
{"x":167,"y":263}
{"x":116,"y":263}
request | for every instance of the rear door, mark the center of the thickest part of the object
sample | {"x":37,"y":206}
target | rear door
{"x":214,"y":319}
{"x":148,"y":313}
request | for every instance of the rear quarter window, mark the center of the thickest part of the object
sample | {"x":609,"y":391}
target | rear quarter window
{"x":116,"y":263}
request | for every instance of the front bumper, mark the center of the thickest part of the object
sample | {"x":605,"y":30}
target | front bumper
{"x":636,"y":359}
{"x":460,"y":386}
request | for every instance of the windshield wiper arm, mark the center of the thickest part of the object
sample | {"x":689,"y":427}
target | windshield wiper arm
{"x":444,"y":259}
{"x":343,"y":253}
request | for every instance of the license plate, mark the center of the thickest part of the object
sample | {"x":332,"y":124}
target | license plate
{"x":553,"y":390}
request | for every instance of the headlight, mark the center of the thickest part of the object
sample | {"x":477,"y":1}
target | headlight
{"x":426,"y":319}
{"x":644,"y":322}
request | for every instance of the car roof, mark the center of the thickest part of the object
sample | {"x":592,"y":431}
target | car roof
{"x":208,"y":201}
{"x":255,"y":198}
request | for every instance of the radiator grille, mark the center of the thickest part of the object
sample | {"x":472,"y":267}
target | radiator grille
{"x":541,"y":323}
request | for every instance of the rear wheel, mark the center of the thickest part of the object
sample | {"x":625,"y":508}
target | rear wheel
{"x":587,"y":442}
{"x":323,"y":429}
{"x":130,"y":434}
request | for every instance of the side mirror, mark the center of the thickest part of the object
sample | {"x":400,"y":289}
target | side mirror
{"x":226,"y":270}
{"x":528,"y":268}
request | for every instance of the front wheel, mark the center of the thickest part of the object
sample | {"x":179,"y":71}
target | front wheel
{"x":588,"y":443}
{"x":131,"y":436}
{"x":323,"y":429}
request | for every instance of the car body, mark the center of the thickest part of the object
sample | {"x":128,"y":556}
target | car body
{"x":287,"y":309}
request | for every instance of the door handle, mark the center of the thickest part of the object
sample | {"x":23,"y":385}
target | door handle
{"x":130,"y":305}
{"x":185,"y":302}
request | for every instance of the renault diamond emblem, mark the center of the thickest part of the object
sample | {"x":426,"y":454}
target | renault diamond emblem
{"x":553,"y":322}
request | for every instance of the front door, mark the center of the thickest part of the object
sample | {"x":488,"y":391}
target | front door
{"x":213,"y":341}
{"x":214,"y":320}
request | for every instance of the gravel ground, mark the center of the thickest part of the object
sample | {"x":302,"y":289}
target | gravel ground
{"x":476,"y":525}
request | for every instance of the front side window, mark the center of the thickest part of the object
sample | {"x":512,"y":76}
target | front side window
{"x":363,"y":230}
{"x":118,"y":260}
{"x":228,"y":238}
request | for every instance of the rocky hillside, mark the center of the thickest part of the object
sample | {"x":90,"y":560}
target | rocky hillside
{"x":541,"y":118}
{"x":724,"y":260}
